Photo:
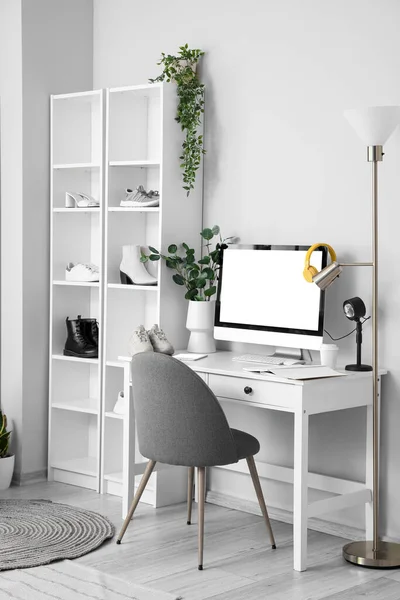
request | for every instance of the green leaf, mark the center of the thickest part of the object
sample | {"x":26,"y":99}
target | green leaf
{"x":185,"y":246}
{"x":172,"y":248}
{"x":179,"y":280}
{"x":170,"y":263}
{"x":144,"y":258}
{"x":207,"y":234}
{"x":215,"y":230}
{"x":190,"y":259}
{"x":154,"y":257}
{"x":209,"y":274}
{"x":205,"y":260}
{"x":211,"y":291}
{"x":153,"y":250}
{"x":201,"y":283}
{"x":191,"y":294}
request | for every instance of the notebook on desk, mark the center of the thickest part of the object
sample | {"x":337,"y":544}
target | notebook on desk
{"x":298,"y":372}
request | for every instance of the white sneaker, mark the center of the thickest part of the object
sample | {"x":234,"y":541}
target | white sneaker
{"x":140,"y":341}
{"x":81,"y":272}
{"x":159,"y":341}
{"x":139,"y":197}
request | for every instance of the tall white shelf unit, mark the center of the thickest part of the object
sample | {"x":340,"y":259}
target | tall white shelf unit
{"x":77,"y":165}
{"x":142,"y":145}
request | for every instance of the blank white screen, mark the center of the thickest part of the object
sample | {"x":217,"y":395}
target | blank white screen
{"x":267,"y":288}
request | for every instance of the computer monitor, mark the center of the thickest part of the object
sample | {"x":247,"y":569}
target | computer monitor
{"x":263,"y":297}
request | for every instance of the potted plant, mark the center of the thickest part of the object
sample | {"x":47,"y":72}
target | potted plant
{"x":181,"y":69}
{"x":199,"y":278}
{"x":6,"y":459}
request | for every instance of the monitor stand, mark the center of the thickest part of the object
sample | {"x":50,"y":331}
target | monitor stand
{"x":299,"y":354}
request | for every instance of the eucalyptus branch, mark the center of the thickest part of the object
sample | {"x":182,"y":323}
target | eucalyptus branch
{"x":198,"y":277}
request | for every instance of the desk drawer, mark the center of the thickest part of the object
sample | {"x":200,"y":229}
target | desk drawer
{"x":254,"y":390}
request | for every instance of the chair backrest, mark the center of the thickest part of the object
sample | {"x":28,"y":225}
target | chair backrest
{"x":179,"y":420}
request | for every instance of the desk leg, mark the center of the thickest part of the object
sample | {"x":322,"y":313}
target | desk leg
{"x":300,"y":492}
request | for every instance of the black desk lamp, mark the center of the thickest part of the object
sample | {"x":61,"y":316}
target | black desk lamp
{"x":354,"y":309}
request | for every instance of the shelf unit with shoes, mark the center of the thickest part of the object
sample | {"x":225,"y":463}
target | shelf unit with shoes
{"x":77,"y":174}
{"x":121,"y":144}
{"x":143,"y":145}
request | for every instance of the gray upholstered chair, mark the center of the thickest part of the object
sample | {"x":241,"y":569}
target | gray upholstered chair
{"x":180,"y":422}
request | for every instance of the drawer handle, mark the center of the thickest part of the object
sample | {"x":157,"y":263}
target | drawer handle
{"x":248,"y":390}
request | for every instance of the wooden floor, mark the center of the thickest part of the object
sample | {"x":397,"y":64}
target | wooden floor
{"x":160,"y":550}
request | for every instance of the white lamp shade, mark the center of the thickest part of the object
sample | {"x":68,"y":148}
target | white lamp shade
{"x":375,"y":124}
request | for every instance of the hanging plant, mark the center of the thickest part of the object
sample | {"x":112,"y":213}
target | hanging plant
{"x":181,"y":69}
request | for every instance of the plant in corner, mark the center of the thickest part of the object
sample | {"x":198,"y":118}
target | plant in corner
{"x":181,"y":69}
{"x":6,"y":459}
{"x":199,"y":277}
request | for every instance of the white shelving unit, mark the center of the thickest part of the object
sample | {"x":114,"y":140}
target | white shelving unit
{"x":142,"y":145}
{"x":77,"y":158}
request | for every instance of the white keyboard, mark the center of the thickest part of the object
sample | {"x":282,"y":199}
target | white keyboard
{"x":267,"y":360}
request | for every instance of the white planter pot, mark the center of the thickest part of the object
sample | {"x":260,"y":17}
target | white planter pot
{"x":200,"y":322}
{"x":6,"y":471}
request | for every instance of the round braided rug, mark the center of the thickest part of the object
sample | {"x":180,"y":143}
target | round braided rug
{"x":37,"y":532}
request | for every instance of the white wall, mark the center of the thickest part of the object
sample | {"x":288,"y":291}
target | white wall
{"x":282,"y":166}
{"x":11,"y":211}
{"x":46,"y":48}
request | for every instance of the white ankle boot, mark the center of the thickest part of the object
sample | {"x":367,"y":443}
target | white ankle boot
{"x":132,"y":271}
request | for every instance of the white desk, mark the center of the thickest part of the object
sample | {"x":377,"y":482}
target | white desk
{"x":228,"y":381}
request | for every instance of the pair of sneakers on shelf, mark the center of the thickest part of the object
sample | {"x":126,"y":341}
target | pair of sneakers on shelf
{"x":139,"y":197}
{"x":153,"y":340}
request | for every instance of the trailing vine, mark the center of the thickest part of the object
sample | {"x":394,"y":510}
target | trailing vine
{"x":181,"y":69}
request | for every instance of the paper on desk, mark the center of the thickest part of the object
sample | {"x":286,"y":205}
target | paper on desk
{"x":301,"y":372}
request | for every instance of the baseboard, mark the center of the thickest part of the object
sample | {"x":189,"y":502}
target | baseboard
{"x":29,"y":478}
{"x":286,"y":516}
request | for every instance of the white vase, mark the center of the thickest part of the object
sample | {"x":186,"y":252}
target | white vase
{"x":6,"y":471}
{"x":200,"y":322}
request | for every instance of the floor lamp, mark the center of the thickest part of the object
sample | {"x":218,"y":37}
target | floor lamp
{"x":374,"y":126}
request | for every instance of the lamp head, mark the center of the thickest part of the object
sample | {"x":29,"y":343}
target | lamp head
{"x":354,"y":309}
{"x":374,"y":124}
{"x":324,"y":278}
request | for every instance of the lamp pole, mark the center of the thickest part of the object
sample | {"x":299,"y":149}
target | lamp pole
{"x":374,"y":553}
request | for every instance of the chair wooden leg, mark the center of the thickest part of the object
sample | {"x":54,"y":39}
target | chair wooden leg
{"x":201,"y":475}
{"x":142,"y":485}
{"x":190,"y":494}
{"x":257,"y":486}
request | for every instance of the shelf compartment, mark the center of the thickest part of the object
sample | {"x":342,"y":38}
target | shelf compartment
{"x":94,"y":284}
{"x":114,"y":363}
{"x":84,"y":405}
{"x":143,"y":164}
{"x":85,"y":465}
{"x":112,"y":415}
{"x":90,"y":361}
{"x":116,"y":477}
{"x":124,"y":209}
{"x":76,"y":166}
{"x":94,"y":209}
{"x":134,"y":127}
{"x":138,"y":288}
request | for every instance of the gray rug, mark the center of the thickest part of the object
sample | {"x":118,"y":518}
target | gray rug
{"x":37,"y":532}
{"x":70,"y":581}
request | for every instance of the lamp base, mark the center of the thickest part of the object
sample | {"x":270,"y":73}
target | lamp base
{"x":363,"y":555}
{"x":358,"y":368}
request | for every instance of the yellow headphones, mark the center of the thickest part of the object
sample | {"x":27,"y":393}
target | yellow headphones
{"x":310,"y":271}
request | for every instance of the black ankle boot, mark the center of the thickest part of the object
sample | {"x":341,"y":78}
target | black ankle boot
{"x":90,"y":330}
{"x":77,"y":343}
